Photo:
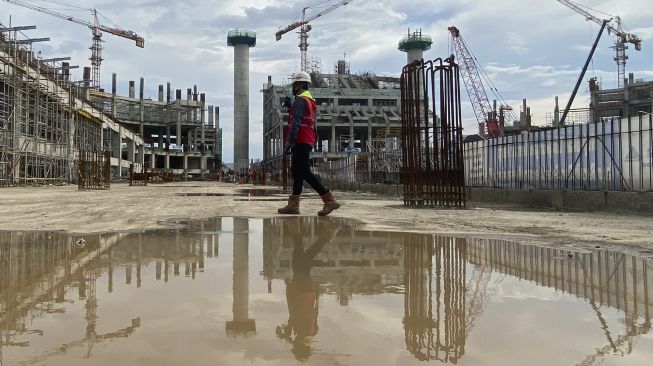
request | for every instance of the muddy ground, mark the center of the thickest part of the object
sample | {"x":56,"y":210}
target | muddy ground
{"x":124,"y":208}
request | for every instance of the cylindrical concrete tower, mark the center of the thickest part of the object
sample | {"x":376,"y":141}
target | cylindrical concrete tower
{"x":241,"y":40}
{"x":414,"y":44}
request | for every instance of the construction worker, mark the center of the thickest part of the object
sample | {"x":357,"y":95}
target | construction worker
{"x":299,"y":137}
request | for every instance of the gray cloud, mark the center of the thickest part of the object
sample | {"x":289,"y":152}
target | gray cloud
{"x":531,"y":49}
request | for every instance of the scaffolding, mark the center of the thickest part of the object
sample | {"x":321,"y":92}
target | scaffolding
{"x":41,"y":130}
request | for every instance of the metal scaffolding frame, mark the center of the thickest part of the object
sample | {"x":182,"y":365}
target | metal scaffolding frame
{"x":41,"y":131}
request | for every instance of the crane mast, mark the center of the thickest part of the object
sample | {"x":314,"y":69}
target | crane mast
{"x":97,"y":30}
{"x":488,"y":124}
{"x":304,"y":28}
{"x":621,"y":41}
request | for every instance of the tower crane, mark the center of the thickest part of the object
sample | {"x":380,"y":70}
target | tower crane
{"x":96,"y":28}
{"x":621,"y":41}
{"x":304,"y":28}
{"x":486,"y":115}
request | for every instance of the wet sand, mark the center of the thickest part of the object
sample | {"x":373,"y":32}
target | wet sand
{"x":124,"y":208}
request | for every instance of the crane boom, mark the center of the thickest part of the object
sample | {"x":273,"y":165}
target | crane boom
{"x":96,"y":29}
{"x":140,"y":42}
{"x":296,"y":25}
{"x":305,"y":28}
{"x":623,"y":37}
{"x":488,"y":125}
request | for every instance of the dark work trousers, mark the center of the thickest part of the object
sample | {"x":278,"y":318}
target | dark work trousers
{"x":301,"y":170}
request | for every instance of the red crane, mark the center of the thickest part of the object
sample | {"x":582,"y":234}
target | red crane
{"x":96,"y":29}
{"x":486,"y":116}
{"x":305,"y":28}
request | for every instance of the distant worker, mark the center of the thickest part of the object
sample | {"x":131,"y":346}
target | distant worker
{"x":299,"y":137}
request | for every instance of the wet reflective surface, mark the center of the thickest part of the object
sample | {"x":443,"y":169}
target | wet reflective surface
{"x":248,"y":192}
{"x":316,"y":291}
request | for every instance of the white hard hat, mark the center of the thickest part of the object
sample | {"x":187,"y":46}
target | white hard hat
{"x":301,"y":76}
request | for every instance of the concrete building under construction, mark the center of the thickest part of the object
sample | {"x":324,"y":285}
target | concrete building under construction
{"x":51,"y":124}
{"x":46,"y":121}
{"x":176,"y":133}
{"x":354,"y":112}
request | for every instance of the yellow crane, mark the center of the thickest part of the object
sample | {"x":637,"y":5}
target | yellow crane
{"x":96,"y":28}
{"x":304,"y":28}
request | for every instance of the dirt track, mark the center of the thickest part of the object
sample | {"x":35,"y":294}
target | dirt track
{"x":124,"y":208}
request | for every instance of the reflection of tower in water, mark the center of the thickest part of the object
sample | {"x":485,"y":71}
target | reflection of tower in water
{"x":241,"y":323}
{"x":434,"y":302}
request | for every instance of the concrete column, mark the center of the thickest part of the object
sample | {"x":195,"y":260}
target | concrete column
{"x":366,"y":147}
{"x":211,"y":122}
{"x":415,"y":54}
{"x":168,"y":92}
{"x":168,"y":137}
{"x":131,"y":151}
{"x":202,"y":121}
{"x":160,"y":92}
{"x":178,"y":133}
{"x":241,"y":41}
{"x":333,"y":136}
{"x":153,"y":161}
{"x":132,"y":89}
{"x":120,"y":150}
{"x":218,"y":135}
{"x":167,"y":161}
{"x":241,"y":106}
{"x":351,"y":132}
{"x":141,"y":130}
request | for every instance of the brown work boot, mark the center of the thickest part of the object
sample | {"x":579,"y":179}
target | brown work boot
{"x":292,"y":208}
{"x":330,"y":204}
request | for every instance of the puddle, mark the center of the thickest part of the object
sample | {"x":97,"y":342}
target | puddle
{"x":203,"y":194}
{"x":255,"y":192}
{"x":317,"y":291}
{"x":260,"y":192}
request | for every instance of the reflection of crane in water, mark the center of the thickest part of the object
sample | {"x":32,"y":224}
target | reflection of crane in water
{"x":481,"y":292}
{"x":632,"y":332}
{"x":64,"y":348}
{"x":87,"y":291}
{"x":632,"y":329}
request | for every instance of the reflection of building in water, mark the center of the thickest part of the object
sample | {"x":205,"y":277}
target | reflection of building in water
{"x":601,"y":277}
{"x":241,"y":323}
{"x":434,"y":302}
{"x":354,"y":262}
{"x":38,"y":269}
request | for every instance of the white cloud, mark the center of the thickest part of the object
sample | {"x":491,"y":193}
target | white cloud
{"x":530,"y":49}
{"x":517,"y":43}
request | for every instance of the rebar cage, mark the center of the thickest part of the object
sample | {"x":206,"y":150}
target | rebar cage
{"x":432,"y":174}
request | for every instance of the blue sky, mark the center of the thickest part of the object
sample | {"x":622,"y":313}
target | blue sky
{"x":531,"y":49}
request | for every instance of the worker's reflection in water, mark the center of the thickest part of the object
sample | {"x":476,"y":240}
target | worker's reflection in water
{"x":302,"y":293}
